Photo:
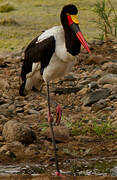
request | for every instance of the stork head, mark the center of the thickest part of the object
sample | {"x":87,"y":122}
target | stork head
{"x":69,"y":19}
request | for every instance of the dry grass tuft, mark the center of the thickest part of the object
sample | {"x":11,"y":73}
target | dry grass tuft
{"x":6,"y":7}
{"x":8,"y":21}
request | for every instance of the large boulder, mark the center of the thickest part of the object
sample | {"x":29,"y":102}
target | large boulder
{"x":16,"y":131}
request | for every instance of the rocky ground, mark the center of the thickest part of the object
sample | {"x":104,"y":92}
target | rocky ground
{"x":88,"y":96}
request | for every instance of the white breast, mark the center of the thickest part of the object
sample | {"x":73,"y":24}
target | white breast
{"x":61,"y":61}
{"x":56,"y":68}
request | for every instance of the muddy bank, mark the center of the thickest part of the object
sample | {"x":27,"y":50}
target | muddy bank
{"x":44,"y":177}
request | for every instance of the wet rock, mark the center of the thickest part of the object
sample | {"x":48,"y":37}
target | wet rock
{"x":15,"y":131}
{"x":61,"y":133}
{"x":95,"y":96}
{"x":110,"y":67}
{"x":108,"y":79}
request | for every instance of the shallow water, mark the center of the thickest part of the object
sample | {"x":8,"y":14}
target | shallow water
{"x":81,"y":167}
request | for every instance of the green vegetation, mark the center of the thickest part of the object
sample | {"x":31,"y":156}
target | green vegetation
{"x":107,"y":18}
{"x":102,"y":129}
{"x":43,"y":126}
{"x":89,"y":125}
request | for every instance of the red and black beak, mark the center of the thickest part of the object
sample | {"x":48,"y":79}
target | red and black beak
{"x":73,"y":23}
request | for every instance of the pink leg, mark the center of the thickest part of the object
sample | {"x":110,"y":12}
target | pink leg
{"x":50,"y":118}
{"x":58,"y":114}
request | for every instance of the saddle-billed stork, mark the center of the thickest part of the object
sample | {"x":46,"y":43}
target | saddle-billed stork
{"x":50,"y":56}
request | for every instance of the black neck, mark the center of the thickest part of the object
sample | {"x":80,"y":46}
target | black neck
{"x":72,"y":42}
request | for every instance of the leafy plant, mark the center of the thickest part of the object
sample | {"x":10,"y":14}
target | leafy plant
{"x":107,"y":18}
{"x":101,"y":129}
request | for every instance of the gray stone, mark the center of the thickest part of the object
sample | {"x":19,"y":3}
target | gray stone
{"x":99,"y":105}
{"x":95,"y":96}
{"x":15,"y":131}
{"x":108,"y":79}
{"x":32,"y":111}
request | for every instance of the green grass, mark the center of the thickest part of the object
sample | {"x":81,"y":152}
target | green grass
{"x":98,"y":128}
{"x":34,"y":16}
{"x":107,"y":18}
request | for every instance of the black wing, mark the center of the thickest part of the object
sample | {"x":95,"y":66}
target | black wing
{"x":36,"y":52}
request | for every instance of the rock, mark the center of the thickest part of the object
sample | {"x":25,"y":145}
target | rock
{"x":99,"y":105}
{"x":114,"y":114}
{"x":16,"y":145}
{"x":1,"y":128}
{"x":95,"y":96}
{"x":11,"y":107}
{"x":93,"y":85}
{"x":66,"y":90}
{"x":3,"y":84}
{"x":15,"y":131}
{"x":32,"y":111}
{"x":32,"y":148}
{"x":108,"y":79}
{"x":4,"y":149}
{"x":97,"y":59}
{"x":110,"y":67}
{"x":10,"y":154}
{"x":61,"y":133}
{"x":3,"y":119}
{"x":83,"y":91}
{"x":85,"y":82}
{"x":97,"y":72}
{"x":1,"y":139}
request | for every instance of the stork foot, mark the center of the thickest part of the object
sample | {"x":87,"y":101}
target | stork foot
{"x":59,"y":174}
{"x":58,"y":114}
